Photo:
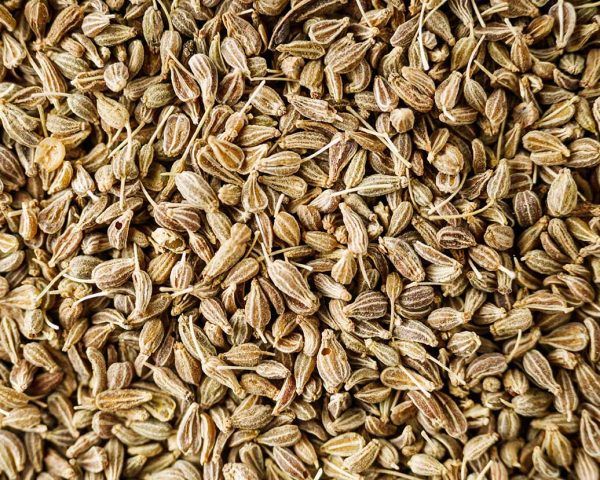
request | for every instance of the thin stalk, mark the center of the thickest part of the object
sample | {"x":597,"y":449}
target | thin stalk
{"x":561,"y":20}
{"x":433,"y":10}
{"x":124,"y":177}
{"x":256,"y":91}
{"x":463,"y":215}
{"x":508,"y":272}
{"x":319,"y":474}
{"x":166,"y":12}
{"x":587,"y":5}
{"x":422,"y":53}
{"x":113,"y":139}
{"x":119,"y":147}
{"x":53,"y":326}
{"x":79,"y":280}
{"x":501,"y":7}
{"x":415,"y":381}
{"x":478,"y":13}
{"x":160,"y":125}
{"x":364,"y":15}
{"x":195,"y":134}
{"x":500,"y":142}
{"x":473,"y":55}
{"x":321,"y":150}
{"x":492,"y":77}
{"x":254,"y":240}
{"x":90,"y":296}
{"x":42,"y":114}
{"x":515,"y":348}
{"x":414,"y":284}
{"x":449,"y":199}
{"x":278,"y":204}
{"x":363,"y":270}
{"x":459,"y":380}
{"x":481,"y":475}
{"x":301,"y":265}
{"x":50,"y":284}
{"x":194,"y":339}
{"x":386,"y":138}
{"x":475,"y":269}
{"x":282,"y":250}
{"x":274,"y":79}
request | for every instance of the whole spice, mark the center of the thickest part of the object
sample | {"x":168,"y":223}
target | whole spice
{"x":344,"y":239}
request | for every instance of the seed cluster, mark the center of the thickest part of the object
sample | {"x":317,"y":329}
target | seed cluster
{"x":273,"y":239}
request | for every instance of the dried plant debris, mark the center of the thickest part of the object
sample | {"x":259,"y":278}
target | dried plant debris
{"x":297,"y":240}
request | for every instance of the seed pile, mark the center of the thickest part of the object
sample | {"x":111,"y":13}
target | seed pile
{"x":266,"y":239}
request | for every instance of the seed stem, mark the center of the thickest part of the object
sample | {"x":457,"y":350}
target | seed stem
{"x":274,"y":79}
{"x":183,"y":292}
{"x":444,"y":367}
{"x":79,"y":280}
{"x":515,"y":348}
{"x":415,"y":381}
{"x":119,"y":147}
{"x":282,"y":250}
{"x":301,"y":265}
{"x":335,"y":141}
{"x":481,"y":475}
{"x":160,"y":2}
{"x":478,"y":13}
{"x":195,"y":134}
{"x":150,"y":199}
{"x":113,"y":139}
{"x":475,"y":269}
{"x":447,"y":200}
{"x":463,"y":215}
{"x":319,"y":474}
{"x":363,"y":270}
{"x":53,"y":326}
{"x":500,"y":142}
{"x":50,"y":284}
{"x":561,"y":22}
{"x":279,"y":204}
{"x":433,"y":10}
{"x":90,"y":296}
{"x":508,"y":272}
{"x":160,"y":125}
{"x":587,"y":5}
{"x":364,"y":15}
{"x":179,"y":64}
{"x":473,"y":55}
{"x":501,"y":7}
{"x":384,"y":136}
{"x":493,"y":77}
{"x":414,"y":284}
{"x":422,"y":53}
{"x":251,"y":98}
{"x":14,"y":213}
{"x":251,"y":249}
